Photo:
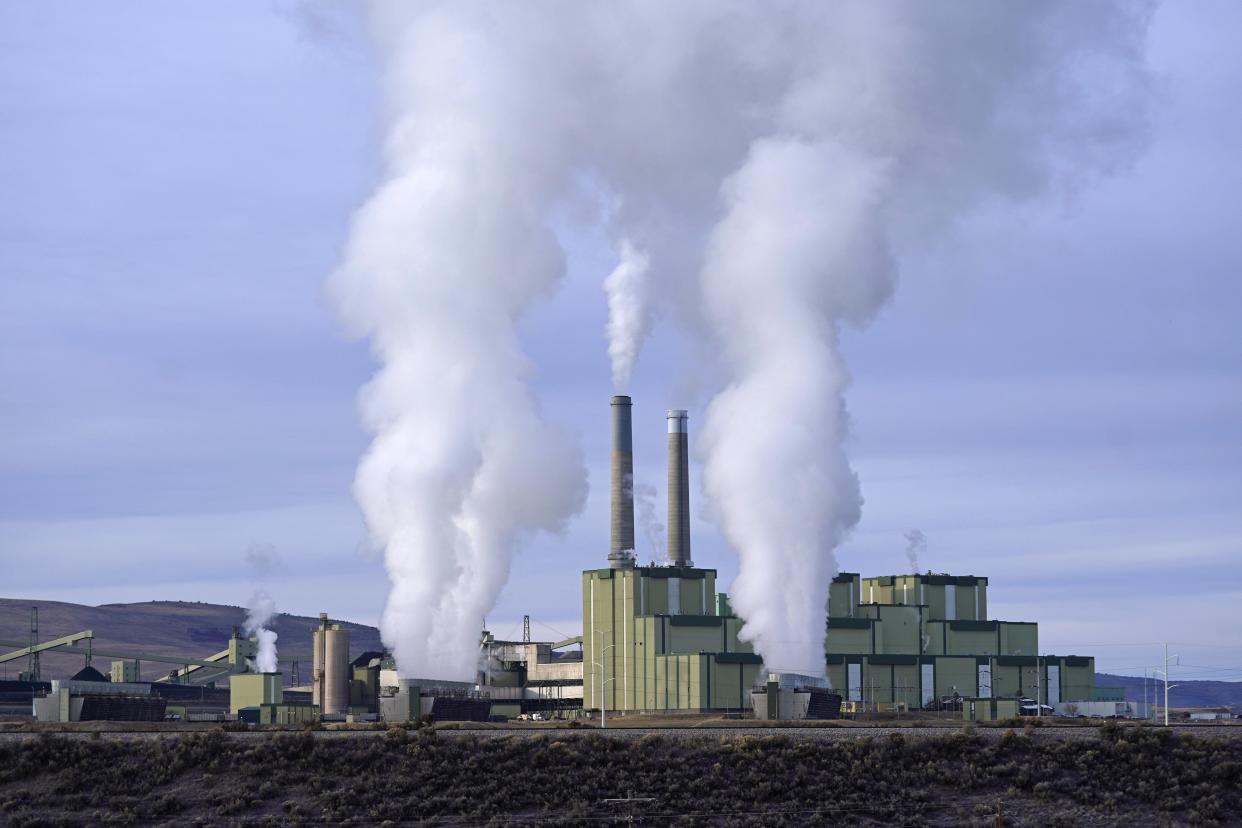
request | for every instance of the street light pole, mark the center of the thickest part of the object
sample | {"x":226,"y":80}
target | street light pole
{"x":1165,"y":673}
{"x":603,"y":682}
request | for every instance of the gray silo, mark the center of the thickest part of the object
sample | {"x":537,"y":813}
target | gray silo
{"x":330,"y":689}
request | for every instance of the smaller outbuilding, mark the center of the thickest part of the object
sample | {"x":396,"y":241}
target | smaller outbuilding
{"x":255,"y":689}
{"x":795,"y":696}
{"x":86,"y":701}
{"x":990,"y":710}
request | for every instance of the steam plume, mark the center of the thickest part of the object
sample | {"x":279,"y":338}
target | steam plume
{"x":262,"y":608}
{"x":628,"y":313}
{"x":648,"y":522}
{"x":902,"y":118}
{"x":440,"y":265}
{"x":916,"y":544}
{"x":769,"y":167}
{"x":263,"y":559}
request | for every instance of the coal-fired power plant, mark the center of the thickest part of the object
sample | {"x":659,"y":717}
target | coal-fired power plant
{"x":621,"y":549}
{"x":678,"y":489}
{"x":656,"y":637}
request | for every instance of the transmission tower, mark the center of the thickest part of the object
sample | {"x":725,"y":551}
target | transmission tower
{"x":525,"y":629}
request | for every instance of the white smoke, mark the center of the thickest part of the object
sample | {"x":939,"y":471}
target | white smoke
{"x":260,"y":613}
{"x":441,"y":264}
{"x":645,"y":512}
{"x":766,"y":168}
{"x":781,"y":484}
{"x":901,"y":118}
{"x":263,"y":559}
{"x":629,"y":315}
{"x":916,"y":545}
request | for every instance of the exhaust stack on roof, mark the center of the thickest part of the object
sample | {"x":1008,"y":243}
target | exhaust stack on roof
{"x":678,"y":489}
{"x":621,"y":550}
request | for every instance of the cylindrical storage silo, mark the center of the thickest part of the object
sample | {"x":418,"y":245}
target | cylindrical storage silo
{"x":318,"y":640}
{"x":336,"y":671}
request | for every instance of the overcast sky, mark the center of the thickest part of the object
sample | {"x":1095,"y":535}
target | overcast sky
{"x":1054,"y":397}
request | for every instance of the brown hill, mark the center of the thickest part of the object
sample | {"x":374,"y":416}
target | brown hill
{"x":187,"y":629}
{"x":1189,"y":692}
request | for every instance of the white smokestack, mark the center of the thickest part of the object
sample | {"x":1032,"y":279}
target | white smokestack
{"x":260,"y":613}
{"x":765,"y":169}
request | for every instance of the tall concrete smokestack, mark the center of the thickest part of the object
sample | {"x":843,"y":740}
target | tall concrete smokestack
{"x":621,"y":551}
{"x":678,"y":489}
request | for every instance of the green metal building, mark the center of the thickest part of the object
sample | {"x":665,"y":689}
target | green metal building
{"x":255,"y":689}
{"x":660,"y":638}
{"x":916,"y":640}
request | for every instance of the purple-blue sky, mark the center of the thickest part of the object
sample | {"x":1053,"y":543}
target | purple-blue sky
{"x":1054,"y":397}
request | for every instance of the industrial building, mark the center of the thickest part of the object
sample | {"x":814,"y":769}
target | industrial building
{"x":795,"y":696}
{"x":531,"y":677}
{"x":413,"y":698}
{"x":259,"y":698}
{"x":255,"y":689}
{"x":127,"y":665}
{"x":659,"y":638}
{"x":87,"y":700}
{"x":925,"y":641}
{"x":655,"y":638}
{"x":186,"y":693}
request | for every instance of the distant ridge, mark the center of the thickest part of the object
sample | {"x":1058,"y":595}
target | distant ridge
{"x":182,"y":628}
{"x":1187,"y":694}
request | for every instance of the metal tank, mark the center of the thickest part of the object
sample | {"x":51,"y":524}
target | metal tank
{"x":318,"y":640}
{"x":330,"y":689}
{"x":678,"y":488}
{"x":621,"y":549}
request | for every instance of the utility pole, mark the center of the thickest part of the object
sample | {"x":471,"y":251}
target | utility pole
{"x":1039,"y":701}
{"x":1166,"y":684}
